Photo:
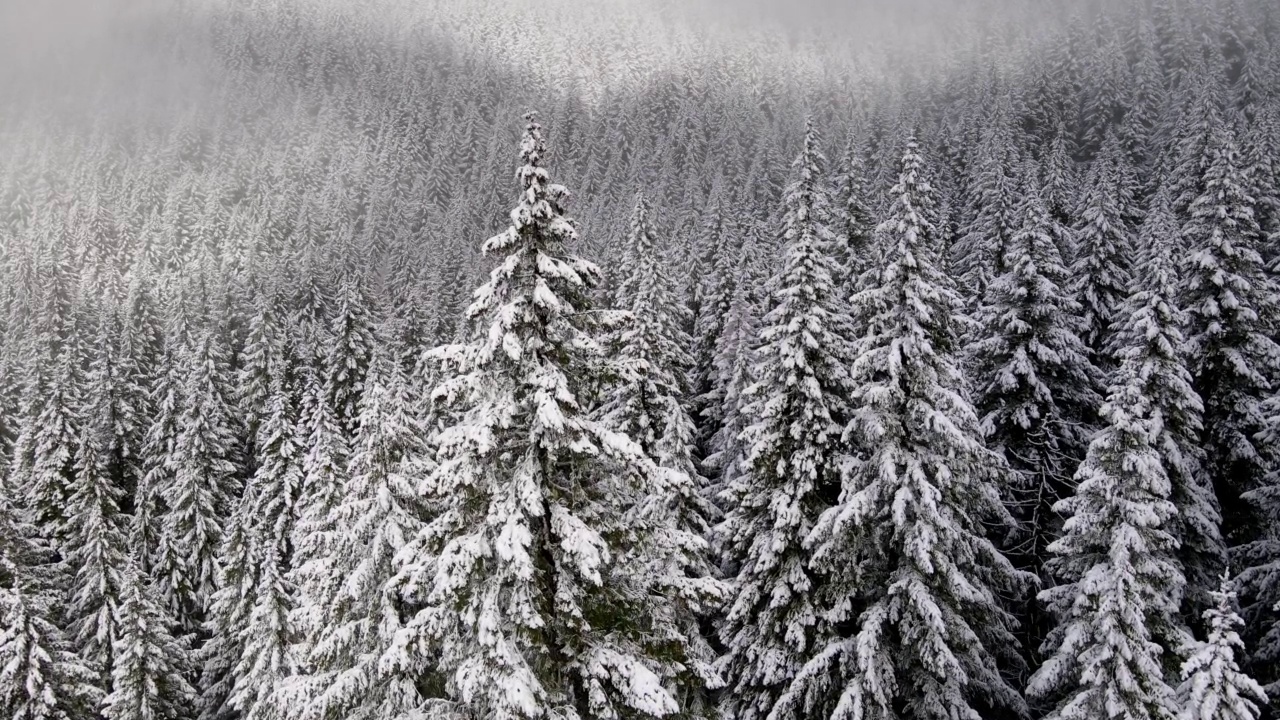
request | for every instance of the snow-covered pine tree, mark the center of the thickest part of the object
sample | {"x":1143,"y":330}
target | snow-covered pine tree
{"x":228,"y":614}
{"x":646,"y":405}
{"x":1213,"y":686}
{"x":96,"y":550}
{"x":248,"y":625}
{"x":1061,"y":192}
{"x":1104,"y":246}
{"x":357,"y":618}
{"x":1117,"y":607}
{"x":348,"y":348}
{"x":158,"y":455}
{"x":324,"y":478}
{"x":1150,"y":334}
{"x":716,"y":246}
{"x":1038,"y":390}
{"x":852,"y":201}
{"x":911,"y":622}
{"x":1234,"y":306}
{"x":991,"y":207}
{"x":544,"y":585}
{"x":263,"y":356}
{"x":52,"y":428}
{"x":41,"y":677}
{"x":203,"y":483}
{"x":792,"y":466}
{"x":1260,"y":557}
{"x":149,"y":668}
{"x":734,"y":363}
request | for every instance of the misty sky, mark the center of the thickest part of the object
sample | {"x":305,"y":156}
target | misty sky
{"x":82,"y":46}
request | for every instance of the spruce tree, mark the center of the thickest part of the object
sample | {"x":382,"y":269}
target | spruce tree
{"x":734,"y":364}
{"x":41,"y":677}
{"x":149,"y":667}
{"x":910,"y":608}
{"x":324,"y":464}
{"x":1104,"y":246}
{"x":1151,"y":336}
{"x":854,"y":222}
{"x":1117,"y":606}
{"x":202,"y":484}
{"x":646,"y":403}
{"x":1037,"y":389}
{"x":97,"y":536}
{"x":991,"y":211}
{"x":546,"y":582}
{"x":791,"y":470}
{"x":1260,"y":558}
{"x":357,"y":618}
{"x":248,"y":613}
{"x":1233,"y":305}
{"x":1213,"y":686}
{"x":53,"y":429}
{"x":348,"y":348}
{"x":159,"y":454}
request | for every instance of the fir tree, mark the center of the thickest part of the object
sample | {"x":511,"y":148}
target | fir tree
{"x":546,"y":583}
{"x":248,"y":613}
{"x":96,"y":549}
{"x":41,"y":677}
{"x":734,"y":364}
{"x":1104,"y":247}
{"x":148,"y":674}
{"x":910,"y":603}
{"x":1213,"y":687}
{"x":1037,"y":388}
{"x":1151,"y":336}
{"x":324,"y":478}
{"x":646,"y":404}
{"x":854,"y":223}
{"x":376,"y":517}
{"x":792,"y":464}
{"x":159,"y":453}
{"x":1117,"y":608}
{"x":1232,"y":304}
{"x":203,"y":483}
{"x":54,"y":428}
{"x":349,"y":346}
{"x":980,"y":252}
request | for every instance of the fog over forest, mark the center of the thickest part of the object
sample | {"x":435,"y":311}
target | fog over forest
{"x":636,"y":359}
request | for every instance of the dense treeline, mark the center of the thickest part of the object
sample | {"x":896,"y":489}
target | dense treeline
{"x":851,"y":392}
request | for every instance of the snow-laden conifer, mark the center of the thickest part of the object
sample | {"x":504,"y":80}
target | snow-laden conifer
{"x":911,"y":622}
{"x":200,"y":486}
{"x":149,"y":665}
{"x":1150,"y":336}
{"x":852,"y":207}
{"x":1213,"y":686}
{"x":1117,"y":609}
{"x":248,"y":625}
{"x":647,"y":402}
{"x":41,"y":677}
{"x":347,"y":351}
{"x":734,"y":364}
{"x":96,"y":551}
{"x":546,"y":583}
{"x":794,"y":453}
{"x":1100,"y":274}
{"x":357,"y":617}
{"x":1233,"y":305}
{"x":1037,"y":388}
